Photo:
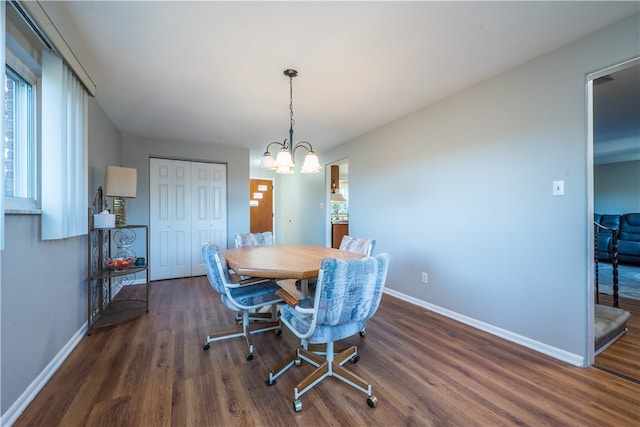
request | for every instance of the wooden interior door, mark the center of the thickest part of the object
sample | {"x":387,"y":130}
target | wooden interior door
{"x":261,"y":202}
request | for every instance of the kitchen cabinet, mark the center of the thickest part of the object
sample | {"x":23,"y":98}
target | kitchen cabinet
{"x":337,"y":232}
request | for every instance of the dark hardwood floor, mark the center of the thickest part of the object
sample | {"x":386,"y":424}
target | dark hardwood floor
{"x":623,"y":357}
{"x":425,"y":369}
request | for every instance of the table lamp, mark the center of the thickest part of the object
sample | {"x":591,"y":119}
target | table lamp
{"x":120,"y":183}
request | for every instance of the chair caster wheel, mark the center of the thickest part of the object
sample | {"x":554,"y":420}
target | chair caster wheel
{"x":363,"y":334}
{"x":355,"y":359}
{"x":297,"y":405}
{"x":249,"y":356}
{"x":205,"y":347}
{"x":297,"y":362}
{"x":269,"y":383}
{"x":372,"y":401}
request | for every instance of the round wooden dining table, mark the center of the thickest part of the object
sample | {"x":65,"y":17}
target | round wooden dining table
{"x":283,"y":261}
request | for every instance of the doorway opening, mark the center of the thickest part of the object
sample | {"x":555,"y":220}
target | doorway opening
{"x":338,"y":202}
{"x":614,"y":174}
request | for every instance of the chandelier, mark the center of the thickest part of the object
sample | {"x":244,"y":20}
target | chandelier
{"x":285,"y":162}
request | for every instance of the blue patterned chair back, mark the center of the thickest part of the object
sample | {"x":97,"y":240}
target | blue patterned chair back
{"x":254,"y":239}
{"x":357,"y":245}
{"x":347,"y":295}
{"x":215,"y":266}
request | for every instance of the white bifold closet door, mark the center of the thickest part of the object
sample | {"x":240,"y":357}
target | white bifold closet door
{"x":187,"y":205}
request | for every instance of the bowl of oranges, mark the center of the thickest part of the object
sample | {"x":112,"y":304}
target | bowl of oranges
{"x":119,"y":263}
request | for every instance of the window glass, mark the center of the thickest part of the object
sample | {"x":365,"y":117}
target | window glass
{"x":19,"y":142}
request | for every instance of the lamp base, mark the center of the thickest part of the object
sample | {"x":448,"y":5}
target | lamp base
{"x":120,"y":211}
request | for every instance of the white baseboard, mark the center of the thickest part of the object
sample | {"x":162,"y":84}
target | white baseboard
{"x":556,"y":353}
{"x":11,"y":415}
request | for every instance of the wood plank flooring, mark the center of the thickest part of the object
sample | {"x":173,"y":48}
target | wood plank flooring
{"x":425,"y":369}
{"x":623,"y":357}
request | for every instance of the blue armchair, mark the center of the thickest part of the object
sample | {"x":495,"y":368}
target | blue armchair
{"x":348,"y":293}
{"x":243,"y":296}
{"x":357,"y":244}
{"x":254,"y":239}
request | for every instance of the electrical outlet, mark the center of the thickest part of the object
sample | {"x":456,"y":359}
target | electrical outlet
{"x":425,"y":277}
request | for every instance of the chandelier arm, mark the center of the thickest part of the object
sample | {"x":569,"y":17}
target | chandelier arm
{"x":281,"y":144}
{"x":303,"y":144}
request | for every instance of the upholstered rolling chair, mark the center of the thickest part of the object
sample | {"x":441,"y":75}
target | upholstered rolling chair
{"x":351,"y":244}
{"x":361,"y":246}
{"x":243,"y":297}
{"x":358,"y":245}
{"x":347,"y":294}
{"x":254,"y":239}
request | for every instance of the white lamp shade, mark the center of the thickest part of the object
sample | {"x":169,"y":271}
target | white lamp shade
{"x":285,"y":170}
{"x":120,"y":182}
{"x":267,"y":162}
{"x":311,"y":163}
{"x":284,"y":159}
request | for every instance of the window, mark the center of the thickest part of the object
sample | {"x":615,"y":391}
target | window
{"x":19,"y":143}
{"x":46,"y":118}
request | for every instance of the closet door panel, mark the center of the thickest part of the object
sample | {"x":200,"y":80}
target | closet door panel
{"x":209,"y":209}
{"x":170,"y":219}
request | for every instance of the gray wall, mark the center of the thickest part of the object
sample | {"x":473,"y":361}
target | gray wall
{"x":104,"y":147}
{"x":43,"y":292}
{"x":617,"y":188}
{"x":462,"y":190}
{"x":298,"y":208}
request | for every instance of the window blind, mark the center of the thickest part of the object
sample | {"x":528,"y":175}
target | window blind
{"x":64,"y":151}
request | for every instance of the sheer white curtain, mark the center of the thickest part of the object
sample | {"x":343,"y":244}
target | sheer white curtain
{"x":64,"y":151}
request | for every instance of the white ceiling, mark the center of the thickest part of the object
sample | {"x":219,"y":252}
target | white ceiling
{"x":212,"y":72}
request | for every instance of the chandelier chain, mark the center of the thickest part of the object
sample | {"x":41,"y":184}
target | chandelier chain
{"x":291,"y":103}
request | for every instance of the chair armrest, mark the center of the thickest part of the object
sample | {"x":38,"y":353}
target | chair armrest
{"x":293,"y":302}
{"x":287,"y":297}
{"x":238,"y":281}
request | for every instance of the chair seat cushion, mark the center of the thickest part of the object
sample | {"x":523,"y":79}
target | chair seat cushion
{"x":322,"y":334}
{"x":255,"y":295}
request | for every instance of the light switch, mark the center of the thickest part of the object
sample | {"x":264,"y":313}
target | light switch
{"x":558,"y":188}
